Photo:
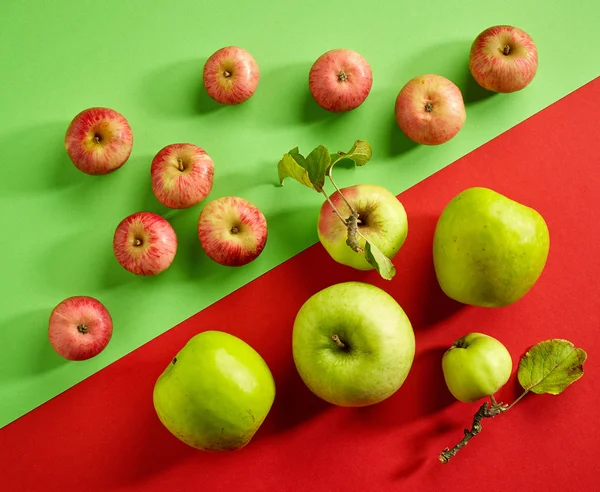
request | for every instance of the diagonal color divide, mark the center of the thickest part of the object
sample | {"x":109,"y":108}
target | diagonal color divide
{"x":145,"y":60}
{"x":103,"y":433}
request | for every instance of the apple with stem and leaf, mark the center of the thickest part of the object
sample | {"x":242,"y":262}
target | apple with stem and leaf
{"x":430,"y":109}
{"x":232,"y":231}
{"x":489,"y":250}
{"x":376,"y":241}
{"x":145,"y":243}
{"x":352,"y":344}
{"x":99,"y":140}
{"x":215,"y":393}
{"x":503,"y":59}
{"x":548,"y":367}
{"x":182,"y":175}
{"x":382,"y":220}
{"x":475,"y":366}
{"x":231,"y":75}
{"x":79,"y":328}
{"x":340,"y":80}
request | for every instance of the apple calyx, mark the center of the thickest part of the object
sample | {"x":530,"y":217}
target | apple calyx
{"x":548,"y":367}
{"x":226,"y":73}
{"x":506,"y":50}
{"x":311,"y":172}
{"x":342,"y":77}
{"x":82,"y":328}
{"x":428,"y":107}
{"x":234,"y":230}
{"x":97,"y":138}
{"x":461,"y":343}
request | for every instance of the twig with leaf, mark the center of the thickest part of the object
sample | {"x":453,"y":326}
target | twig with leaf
{"x":312,"y":170}
{"x":548,"y":367}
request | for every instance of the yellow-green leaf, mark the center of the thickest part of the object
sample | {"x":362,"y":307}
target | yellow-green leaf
{"x":551,"y":366}
{"x":377,"y":259}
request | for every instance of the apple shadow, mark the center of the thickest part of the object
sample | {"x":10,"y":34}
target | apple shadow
{"x":399,"y":143}
{"x":286,"y":233}
{"x":177,"y":90}
{"x":53,"y":168}
{"x":424,"y":387}
{"x":25,"y":336}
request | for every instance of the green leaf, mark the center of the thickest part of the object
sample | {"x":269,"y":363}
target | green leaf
{"x":382,"y":263}
{"x":317,"y":163}
{"x":360,"y":153}
{"x":293,"y":165}
{"x":551,"y":366}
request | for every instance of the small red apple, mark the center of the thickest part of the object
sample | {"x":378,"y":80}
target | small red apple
{"x":430,"y":109}
{"x":182,"y":175}
{"x":145,"y":243}
{"x":340,"y":80}
{"x":80,"y":327}
{"x":231,"y":75}
{"x":98,"y":140}
{"x":232,"y":231}
{"x":503,"y":59}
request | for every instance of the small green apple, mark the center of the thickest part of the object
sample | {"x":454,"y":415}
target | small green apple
{"x":489,"y":250}
{"x":352,"y":344}
{"x":215,"y":393}
{"x":475,"y":366}
{"x":383,"y":221}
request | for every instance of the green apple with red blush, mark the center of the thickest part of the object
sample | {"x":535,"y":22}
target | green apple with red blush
{"x":382,"y":219}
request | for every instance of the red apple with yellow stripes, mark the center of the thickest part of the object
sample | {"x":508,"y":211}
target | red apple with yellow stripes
{"x":182,"y":175}
{"x":99,"y":140}
{"x":232,"y":231}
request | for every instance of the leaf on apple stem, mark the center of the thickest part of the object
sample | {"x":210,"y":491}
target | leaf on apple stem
{"x":309,"y":171}
{"x":382,"y":263}
{"x":551,"y":366}
{"x":360,"y":153}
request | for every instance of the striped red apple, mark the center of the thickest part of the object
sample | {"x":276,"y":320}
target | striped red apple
{"x":232,"y":231}
{"x":99,"y":140}
{"x":79,"y":328}
{"x":182,"y":175}
{"x":145,"y":243}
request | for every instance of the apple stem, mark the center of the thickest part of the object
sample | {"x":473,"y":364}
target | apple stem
{"x":180,"y":164}
{"x":484,"y":412}
{"x":506,"y":49}
{"x":334,"y":207}
{"x":338,"y":342}
{"x":81,"y":328}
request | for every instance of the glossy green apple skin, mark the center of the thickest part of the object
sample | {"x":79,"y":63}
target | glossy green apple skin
{"x":215,"y":393}
{"x":489,"y":250}
{"x":475,"y":366}
{"x":379,"y":340}
{"x":384,"y":220}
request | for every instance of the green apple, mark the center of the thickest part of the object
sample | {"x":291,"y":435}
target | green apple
{"x":215,"y":393}
{"x":475,"y":366}
{"x":383,"y":221}
{"x":352,"y":344}
{"x":489,"y":250}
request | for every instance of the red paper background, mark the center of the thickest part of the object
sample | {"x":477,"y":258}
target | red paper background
{"x":103,"y":434}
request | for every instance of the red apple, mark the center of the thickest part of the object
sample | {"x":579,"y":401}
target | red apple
{"x":231,"y":75}
{"x":99,"y":140}
{"x":232,"y":231}
{"x":430,"y":109}
{"x":340,"y":80}
{"x":145,"y":243}
{"x":503,"y":59}
{"x":80,"y":327}
{"x":182,"y":175}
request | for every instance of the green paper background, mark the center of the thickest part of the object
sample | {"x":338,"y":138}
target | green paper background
{"x":145,"y":60}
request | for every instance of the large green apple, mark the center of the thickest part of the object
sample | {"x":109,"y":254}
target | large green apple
{"x":352,"y":344}
{"x":476,"y":365}
{"x":215,"y":393}
{"x":489,"y":250}
{"x":383,"y":221}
